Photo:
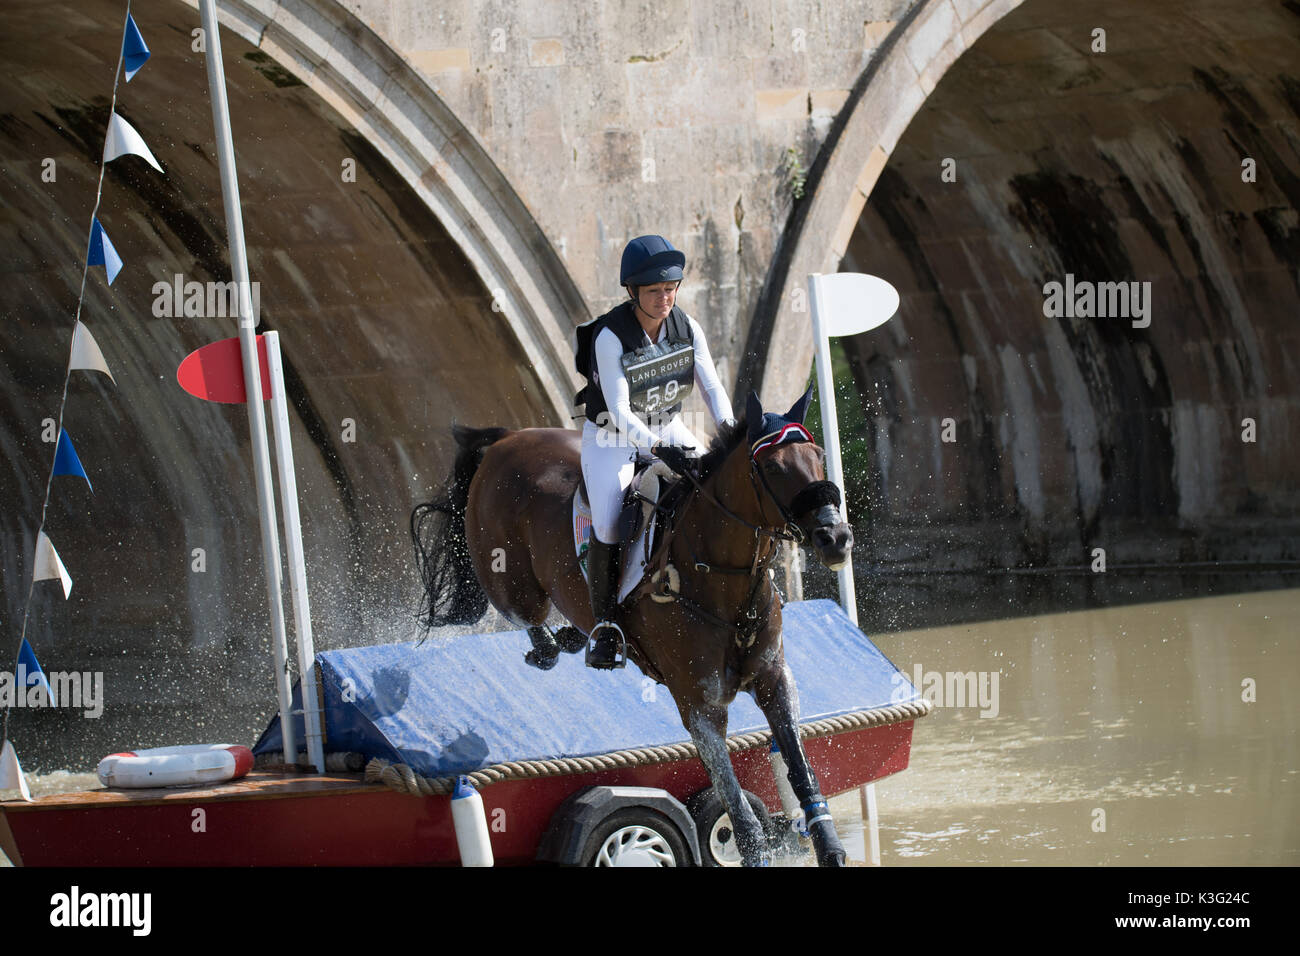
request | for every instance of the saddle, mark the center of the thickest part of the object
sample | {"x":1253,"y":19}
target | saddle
{"x":639,"y":524}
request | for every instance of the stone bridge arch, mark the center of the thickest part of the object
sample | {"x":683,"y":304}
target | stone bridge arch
{"x":890,"y":91}
{"x":376,"y":90}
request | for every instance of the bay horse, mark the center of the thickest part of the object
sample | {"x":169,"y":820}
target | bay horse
{"x":510,"y":497}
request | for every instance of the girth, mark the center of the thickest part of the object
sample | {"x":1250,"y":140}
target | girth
{"x":749,"y":619}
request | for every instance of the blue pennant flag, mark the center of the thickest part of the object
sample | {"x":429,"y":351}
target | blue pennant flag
{"x":66,"y":461}
{"x":102,"y":252}
{"x":30,"y":673}
{"x":134,"y":52}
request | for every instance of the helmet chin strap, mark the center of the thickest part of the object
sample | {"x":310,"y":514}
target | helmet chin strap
{"x":636,"y":305}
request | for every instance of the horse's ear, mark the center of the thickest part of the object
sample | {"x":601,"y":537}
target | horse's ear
{"x":800,"y":408}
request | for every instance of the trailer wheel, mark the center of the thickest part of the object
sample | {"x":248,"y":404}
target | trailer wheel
{"x":636,"y":836}
{"x":713,"y":827}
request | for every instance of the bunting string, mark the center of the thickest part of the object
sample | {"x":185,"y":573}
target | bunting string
{"x":119,"y":138}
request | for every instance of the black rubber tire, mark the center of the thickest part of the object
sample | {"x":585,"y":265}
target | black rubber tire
{"x":706,"y":808}
{"x":669,"y":837}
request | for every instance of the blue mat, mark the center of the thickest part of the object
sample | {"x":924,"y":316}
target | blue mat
{"x":457,"y":704}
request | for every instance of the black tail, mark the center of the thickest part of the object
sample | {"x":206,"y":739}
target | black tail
{"x":452,"y":593}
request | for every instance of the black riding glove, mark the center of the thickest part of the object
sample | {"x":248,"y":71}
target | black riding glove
{"x":676,"y":458}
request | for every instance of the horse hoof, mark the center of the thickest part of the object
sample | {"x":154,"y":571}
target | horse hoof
{"x":541,"y":662}
{"x":571,"y":640}
{"x":834,"y":858}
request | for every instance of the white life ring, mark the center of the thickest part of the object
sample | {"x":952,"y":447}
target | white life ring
{"x":175,"y":766}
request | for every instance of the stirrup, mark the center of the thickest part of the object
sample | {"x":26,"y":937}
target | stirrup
{"x":606,"y":651}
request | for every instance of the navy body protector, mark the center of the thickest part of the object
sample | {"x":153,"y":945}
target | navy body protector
{"x":659,"y":376}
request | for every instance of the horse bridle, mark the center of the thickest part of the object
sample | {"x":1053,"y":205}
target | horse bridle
{"x":817,"y":494}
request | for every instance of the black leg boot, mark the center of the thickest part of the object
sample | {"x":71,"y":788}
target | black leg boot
{"x":605,"y":650}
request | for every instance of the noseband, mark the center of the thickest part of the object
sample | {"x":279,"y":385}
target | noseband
{"x":819,"y":494}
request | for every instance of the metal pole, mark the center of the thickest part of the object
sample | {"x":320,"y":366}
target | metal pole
{"x":293,"y":544}
{"x":252,"y":370}
{"x":831,"y":432}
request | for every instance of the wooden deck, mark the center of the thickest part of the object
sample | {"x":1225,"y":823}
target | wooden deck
{"x":257,"y":785}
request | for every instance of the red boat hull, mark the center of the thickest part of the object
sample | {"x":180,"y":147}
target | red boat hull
{"x":339,"y":820}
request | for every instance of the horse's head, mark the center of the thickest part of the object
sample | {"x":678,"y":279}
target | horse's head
{"x":789,"y":466}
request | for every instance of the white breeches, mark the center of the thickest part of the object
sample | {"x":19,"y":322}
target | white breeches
{"x":608,"y":461}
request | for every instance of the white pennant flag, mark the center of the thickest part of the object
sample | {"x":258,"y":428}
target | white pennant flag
{"x":48,"y":565}
{"x":11,"y":774}
{"x":86,"y":354}
{"x":122,"y":139}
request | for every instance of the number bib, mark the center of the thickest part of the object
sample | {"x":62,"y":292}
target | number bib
{"x":659,"y":377}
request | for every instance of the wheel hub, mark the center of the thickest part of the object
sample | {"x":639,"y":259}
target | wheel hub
{"x":635,"y":846}
{"x":722,"y":843}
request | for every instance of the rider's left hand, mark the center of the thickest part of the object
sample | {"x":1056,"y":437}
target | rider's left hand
{"x":676,"y":457}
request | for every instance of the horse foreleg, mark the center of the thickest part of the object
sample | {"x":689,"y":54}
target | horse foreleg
{"x":545,"y":649}
{"x":777,"y":697}
{"x":548,"y":643}
{"x":708,"y":731}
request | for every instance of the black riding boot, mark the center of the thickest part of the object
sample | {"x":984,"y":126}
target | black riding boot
{"x":605,"y":649}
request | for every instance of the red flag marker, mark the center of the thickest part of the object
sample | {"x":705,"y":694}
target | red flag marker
{"x":216,"y":372}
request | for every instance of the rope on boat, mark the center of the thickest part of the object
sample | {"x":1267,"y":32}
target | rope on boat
{"x":403,"y":779}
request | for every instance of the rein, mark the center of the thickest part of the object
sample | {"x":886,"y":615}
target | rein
{"x":791,"y":531}
{"x":749,"y":620}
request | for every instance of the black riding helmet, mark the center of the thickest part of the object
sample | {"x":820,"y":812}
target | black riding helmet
{"x":648,"y":259}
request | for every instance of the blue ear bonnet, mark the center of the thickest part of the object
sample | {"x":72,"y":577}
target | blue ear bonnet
{"x":768,"y":429}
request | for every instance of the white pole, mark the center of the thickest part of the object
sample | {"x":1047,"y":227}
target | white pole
{"x":835,"y":472}
{"x":831,"y":432}
{"x":871,"y":824}
{"x":252,"y":371}
{"x":297,"y":566}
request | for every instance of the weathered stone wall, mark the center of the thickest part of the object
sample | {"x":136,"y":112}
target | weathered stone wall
{"x":689,"y":119}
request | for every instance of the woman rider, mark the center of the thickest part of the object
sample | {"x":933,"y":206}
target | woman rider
{"x":640,"y":360}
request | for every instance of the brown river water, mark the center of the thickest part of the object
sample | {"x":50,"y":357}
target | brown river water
{"x":1148,"y":734}
{"x":1121,"y":737}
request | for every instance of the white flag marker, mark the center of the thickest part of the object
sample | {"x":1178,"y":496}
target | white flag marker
{"x":11,"y":774}
{"x":49,"y":567}
{"x":122,"y":139}
{"x":845,"y":303}
{"x":86,"y":354}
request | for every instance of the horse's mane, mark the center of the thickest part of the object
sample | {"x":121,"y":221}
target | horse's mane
{"x":723,"y":444}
